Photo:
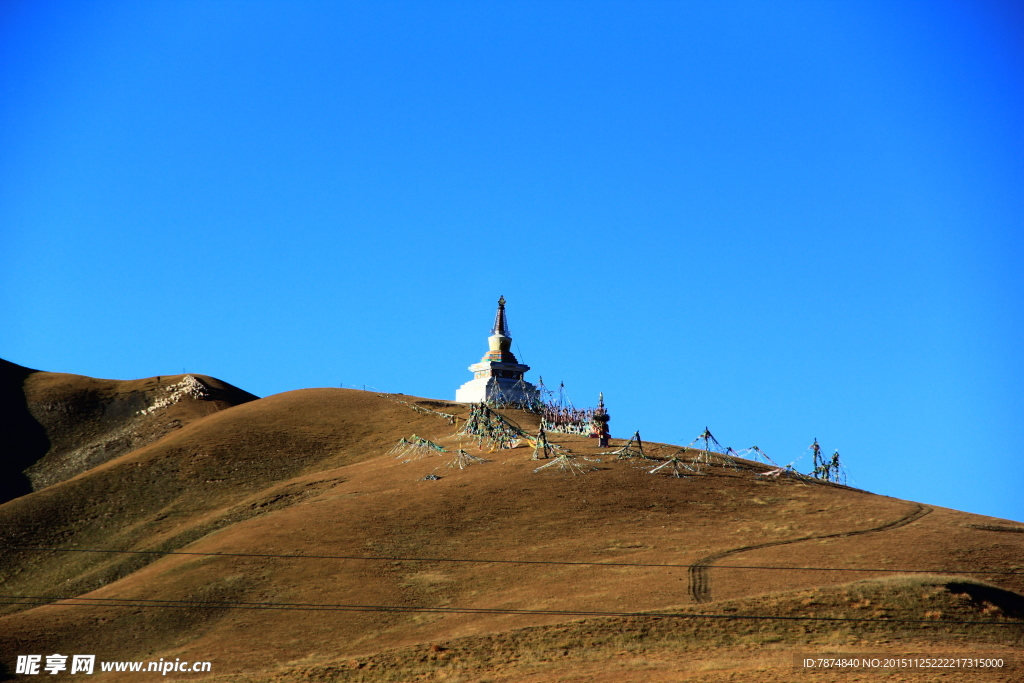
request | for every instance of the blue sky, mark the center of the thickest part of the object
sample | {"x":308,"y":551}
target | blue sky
{"x":780,"y":220}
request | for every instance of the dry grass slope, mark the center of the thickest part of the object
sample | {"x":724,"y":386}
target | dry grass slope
{"x":58,"y":425}
{"x":274,"y":494}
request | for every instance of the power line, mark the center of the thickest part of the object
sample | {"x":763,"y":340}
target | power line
{"x":496,"y":561}
{"x":328,"y":607}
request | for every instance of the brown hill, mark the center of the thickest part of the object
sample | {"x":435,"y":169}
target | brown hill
{"x":278,"y":540}
{"x":57,"y":425}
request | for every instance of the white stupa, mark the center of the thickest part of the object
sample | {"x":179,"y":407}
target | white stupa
{"x":498,"y":376}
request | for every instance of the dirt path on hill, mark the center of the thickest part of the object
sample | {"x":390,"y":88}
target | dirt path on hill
{"x":700,"y":579}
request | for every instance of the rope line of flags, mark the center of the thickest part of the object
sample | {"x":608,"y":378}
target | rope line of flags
{"x":492,"y":431}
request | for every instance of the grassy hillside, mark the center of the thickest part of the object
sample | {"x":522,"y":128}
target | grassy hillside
{"x":274,"y":509}
{"x":57,"y":425}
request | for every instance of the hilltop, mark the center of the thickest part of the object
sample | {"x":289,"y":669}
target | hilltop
{"x":263,"y":499}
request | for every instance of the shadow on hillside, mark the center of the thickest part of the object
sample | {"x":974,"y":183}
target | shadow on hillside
{"x":1010,"y":603}
{"x":25,"y":439}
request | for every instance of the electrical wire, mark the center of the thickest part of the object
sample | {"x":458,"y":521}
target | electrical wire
{"x":531,"y":562}
{"x":323,"y":607}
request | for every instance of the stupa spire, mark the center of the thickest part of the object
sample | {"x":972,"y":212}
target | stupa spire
{"x":500,"y":324}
